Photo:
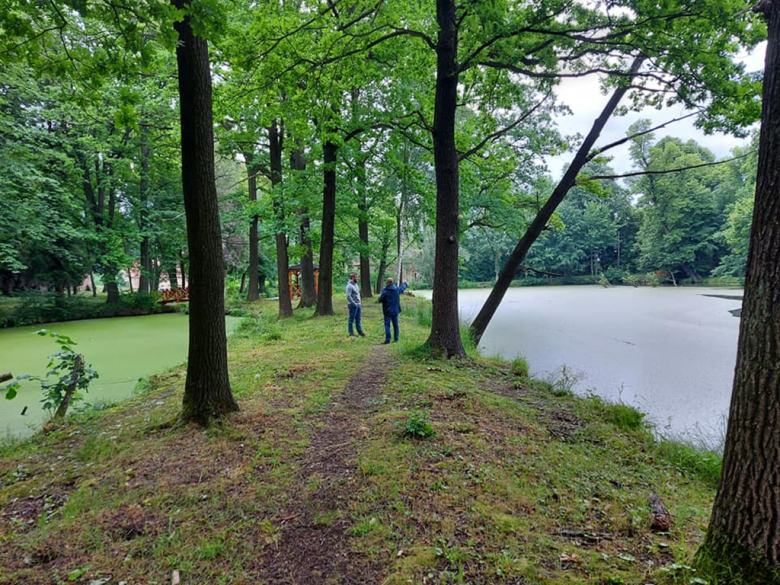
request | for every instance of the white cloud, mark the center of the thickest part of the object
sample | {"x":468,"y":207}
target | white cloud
{"x":585,"y":99}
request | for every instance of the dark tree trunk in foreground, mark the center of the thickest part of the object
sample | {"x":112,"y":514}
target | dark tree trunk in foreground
{"x":325,"y":292}
{"x":207,"y":391}
{"x":252,"y":170}
{"x":308,"y":287}
{"x":282,"y":261}
{"x":744,"y":533}
{"x":445,"y":328}
{"x":517,"y":256}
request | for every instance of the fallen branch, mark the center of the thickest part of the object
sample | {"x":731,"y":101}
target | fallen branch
{"x":5,"y":377}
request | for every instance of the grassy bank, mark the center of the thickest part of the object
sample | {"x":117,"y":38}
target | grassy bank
{"x":353,"y":462}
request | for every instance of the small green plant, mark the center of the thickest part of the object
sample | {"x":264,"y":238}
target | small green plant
{"x":66,"y":369}
{"x":520,"y":367}
{"x":417,"y":426}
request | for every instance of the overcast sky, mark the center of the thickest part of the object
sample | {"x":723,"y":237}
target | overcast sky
{"x":584,"y":98}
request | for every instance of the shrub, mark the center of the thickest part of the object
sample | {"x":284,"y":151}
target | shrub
{"x":520,"y":367}
{"x":417,"y":426}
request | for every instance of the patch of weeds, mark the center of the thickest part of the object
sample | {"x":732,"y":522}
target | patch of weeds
{"x":369,"y":467}
{"x":520,"y":367}
{"x":249,"y":327}
{"x":625,"y":417}
{"x":688,"y":459}
{"x":423,"y":314}
{"x":272,"y":332}
{"x":94,"y":450}
{"x":364,"y":527}
{"x":326,"y":518}
{"x":238,"y":312}
{"x":417,"y":426}
{"x":563,"y":381}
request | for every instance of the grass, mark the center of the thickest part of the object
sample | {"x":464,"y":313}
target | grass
{"x":515,"y":481}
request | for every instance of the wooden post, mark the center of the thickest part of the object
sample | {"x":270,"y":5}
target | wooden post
{"x":74,"y":380}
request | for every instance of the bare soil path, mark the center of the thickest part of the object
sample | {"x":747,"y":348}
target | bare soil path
{"x":313,"y":546}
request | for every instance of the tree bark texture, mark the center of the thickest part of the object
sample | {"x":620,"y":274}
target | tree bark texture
{"x":445,"y":328}
{"x":308,"y":286}
{"x":568,"y":180}
{"x":282,"y":261}
{"x":365,"y":262}
{"x":143,"y":215}
{"x":746,"y":514}
{"x":207,"y":392}
{"x":252,"y":170}
{"x":325,"y":292}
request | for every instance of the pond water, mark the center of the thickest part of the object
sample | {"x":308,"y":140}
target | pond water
{"x":122,"y":350}
{"x":668,"y":351}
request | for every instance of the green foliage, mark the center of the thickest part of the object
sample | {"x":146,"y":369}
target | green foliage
{"x":689,"y":459}
{"x":35,"y":308}
{"x":520,"y":367}
{"x":417,"y":426}
{"x":59,"y":376}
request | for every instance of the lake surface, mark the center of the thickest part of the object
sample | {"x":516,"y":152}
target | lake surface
{"x":122,"y":350}
{"x":668,"y":351}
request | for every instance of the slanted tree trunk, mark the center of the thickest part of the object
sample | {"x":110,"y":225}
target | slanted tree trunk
{"x":282,"y":261}
{"x":445,"y":328}
{"x":252,"y":169}
{"x":92,"y":283}
{"x":207,"y":392}
{"x":517,"y":256}
{"x":743,"y":541}
{"x":308,"y":287}
{"x":325,"y":292}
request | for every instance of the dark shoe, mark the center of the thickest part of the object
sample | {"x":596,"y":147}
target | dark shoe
{"x":395,"y":341}
{"x":352,"y":335}
{"x":362,"y":334}
{"x":387,"y":342}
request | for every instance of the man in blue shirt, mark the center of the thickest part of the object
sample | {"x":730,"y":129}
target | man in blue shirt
{"x":391,"y":307}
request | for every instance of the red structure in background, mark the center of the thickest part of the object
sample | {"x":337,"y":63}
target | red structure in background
{"x":175,"y":295}
{"x":294,"y":280}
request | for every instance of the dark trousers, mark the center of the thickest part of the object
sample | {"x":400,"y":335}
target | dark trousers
{"x":394,"y":320}
{"x":354,"y":317}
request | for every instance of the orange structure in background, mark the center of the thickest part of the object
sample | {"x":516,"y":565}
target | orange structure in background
{"x":294,"y":280}
{"x":175,"y":295}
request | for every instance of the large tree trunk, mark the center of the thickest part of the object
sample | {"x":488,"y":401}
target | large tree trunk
{"x":325,"y":292}
{"x":207,"y":391}
{"x":308,"y":286}
{"x":517,"y":256}
{"x":743,"y":540}
{"x":365,"y":263}
{"x":282,"y":261}
{"x":143,"y":214}
{"x":252,"y":170}
{"x":445,"y":328}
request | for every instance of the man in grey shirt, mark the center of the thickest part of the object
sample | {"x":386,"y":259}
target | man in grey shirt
{"x":354,"y":306}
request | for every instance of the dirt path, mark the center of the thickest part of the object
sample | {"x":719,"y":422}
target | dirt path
{"x":313,"y":548}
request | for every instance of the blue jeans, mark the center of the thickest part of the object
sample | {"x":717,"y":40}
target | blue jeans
{"x":394,"y":320}
{"x":354,"y":317}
